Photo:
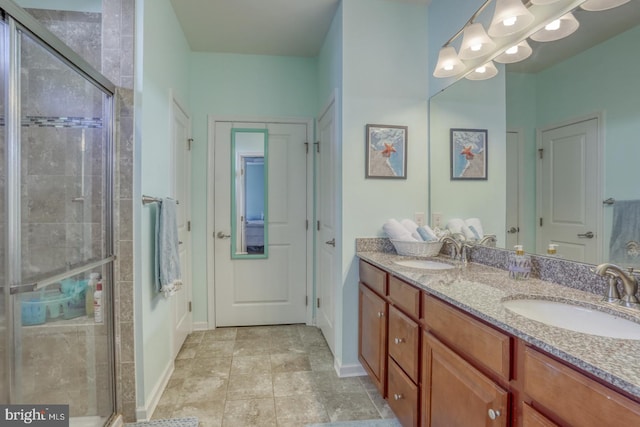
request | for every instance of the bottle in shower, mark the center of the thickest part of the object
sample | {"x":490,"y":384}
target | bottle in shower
{"x":97,"y":303}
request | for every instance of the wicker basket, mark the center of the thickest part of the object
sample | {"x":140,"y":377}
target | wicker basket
{"x":417,"y":249}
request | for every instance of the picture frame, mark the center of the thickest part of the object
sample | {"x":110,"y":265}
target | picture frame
{"x":386,"y":151}
{"x":469,"y":154}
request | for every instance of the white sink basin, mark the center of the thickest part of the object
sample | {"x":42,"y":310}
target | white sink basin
{"x":575,"y":318}
{"x":424,"y":264}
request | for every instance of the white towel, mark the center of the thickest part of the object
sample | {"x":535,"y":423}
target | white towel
{"x":477,"y":225}
{"x":396,"y":231}
{"x":169,"y":278}
{"x":456,"y":225}
{"x":412,"y":228}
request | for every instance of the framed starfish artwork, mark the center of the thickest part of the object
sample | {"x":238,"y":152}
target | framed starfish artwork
{"x":469,"y":154}
{"x":386,"y":152}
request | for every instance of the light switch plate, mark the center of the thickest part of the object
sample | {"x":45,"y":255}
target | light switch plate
{"x":418,"y":217}
{"x":436,"y":219}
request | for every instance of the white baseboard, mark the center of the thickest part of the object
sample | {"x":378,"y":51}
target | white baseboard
{"x":343,"y":371}
{"x":200,"y":326}
{"x":145,"y":413}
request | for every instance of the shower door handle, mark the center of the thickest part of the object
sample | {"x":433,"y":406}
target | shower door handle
{"x":587,"y":235}
{"x":19,"y":289}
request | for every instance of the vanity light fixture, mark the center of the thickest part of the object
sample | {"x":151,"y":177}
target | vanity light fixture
{"x":557,"y":29}
{"x":509,"y":17}
{"x":542,"y":2}
{"x":598,"y":5}
{"x":449,"y":64}
{"x":483,"y":72}
{"x":475,"y":42}
{"x":516,"y":53}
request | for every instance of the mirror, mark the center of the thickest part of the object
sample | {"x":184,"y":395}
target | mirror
{"x":590,"y":74}
{"x":249,"y":236}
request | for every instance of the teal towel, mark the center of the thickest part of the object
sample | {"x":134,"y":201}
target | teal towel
{"x":168,"y":279}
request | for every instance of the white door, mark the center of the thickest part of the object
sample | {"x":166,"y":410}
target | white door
{"x":326,"y":224}
{"x":271,"y":290}
{"x":181,"y":302}
{"x":569,"y":196}
{"x":513,"y":188}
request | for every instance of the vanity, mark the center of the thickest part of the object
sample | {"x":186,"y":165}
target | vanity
{"x":444,"y":351}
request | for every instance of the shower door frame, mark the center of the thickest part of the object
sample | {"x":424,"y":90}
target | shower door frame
{"x":17,"y":20}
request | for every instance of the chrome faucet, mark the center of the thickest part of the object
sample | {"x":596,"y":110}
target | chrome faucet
{"x":629,"y":283}
{"x":488,"y":240}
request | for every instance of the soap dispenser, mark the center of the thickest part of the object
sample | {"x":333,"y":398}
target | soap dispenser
{"x":519,"y":264}
{"x":552,"y":250}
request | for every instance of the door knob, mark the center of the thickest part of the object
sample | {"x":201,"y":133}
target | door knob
{"x":331,"y":242}
{"x":587,"y":235}
{"x":221,"y":235}
{"x":513,"y":230}
{"x":493,"y":414}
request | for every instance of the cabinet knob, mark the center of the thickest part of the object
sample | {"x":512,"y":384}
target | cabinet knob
{"x":493,"y":414}
{"x":381,"y":314}
{"x":399,"y":340}
{"x":398,"y":396}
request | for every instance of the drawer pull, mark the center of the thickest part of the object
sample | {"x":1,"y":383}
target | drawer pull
{"x":399,"y":340}
{"x":493,"y":414}
{"x":398,"y":396}
{"x":381,"y":314}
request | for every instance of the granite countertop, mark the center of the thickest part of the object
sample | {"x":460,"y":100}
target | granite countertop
{"x":479,"y":290}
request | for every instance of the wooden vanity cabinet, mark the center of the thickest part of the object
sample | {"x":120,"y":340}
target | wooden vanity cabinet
{"x":568,"y":397}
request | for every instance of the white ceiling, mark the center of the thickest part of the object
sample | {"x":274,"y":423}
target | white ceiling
{"x":261,"y":27}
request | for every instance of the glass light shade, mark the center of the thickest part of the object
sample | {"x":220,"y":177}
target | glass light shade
{"x":558,"y":29}
{"x":541,"y":2}
{"x":516,"y":53}
{"x":484,"y":72}
{"x":449,"y":64}
{"x":598,"y":5}
{"x":509,"y":17}
{"x":475,"y":42}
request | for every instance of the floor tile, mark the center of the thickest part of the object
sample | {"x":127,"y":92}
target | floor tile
{"x":210,"y":366}
{"x":329,"y":382}
{"x":204,"y":389}
{"x":349,"y":406}
{"x":289,"y":362}
{"x":253,"y":332}
{"x":209,"y":414}
{"x":215,"y":349}
{"x":251,"y":347}
{"x":250,"y":386}
{"x":293,"y":383}
{"x":251,"y":364}
{"x":300,"y":410}
{"x":250,"y":413}
{"x":220,"y":334}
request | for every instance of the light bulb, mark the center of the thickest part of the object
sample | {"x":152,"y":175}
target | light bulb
{"x":512,"y":50}
{"x":553,"y":25}
{"x":448,"y":67}
{"x":510,"y":21}
{"x":476,"y":47}
{"x":481,"y":70}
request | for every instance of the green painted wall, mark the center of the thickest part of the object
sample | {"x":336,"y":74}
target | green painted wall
{"x":238,"y":85}
{"x":163,"y":50}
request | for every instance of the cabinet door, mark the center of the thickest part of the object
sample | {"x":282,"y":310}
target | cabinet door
{"x":403,"y":396}
{"x":372,"y":336}
{"x":455,"y":394}
{"x":533,"y":418}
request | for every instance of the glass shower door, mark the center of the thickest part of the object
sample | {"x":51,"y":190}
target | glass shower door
{"x":57,"y":173}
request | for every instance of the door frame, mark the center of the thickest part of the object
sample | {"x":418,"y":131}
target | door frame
{"x":599,"y":116}
{"x":521,"y":177}
{"x":210,"y":266}
{"x":176,"y":103}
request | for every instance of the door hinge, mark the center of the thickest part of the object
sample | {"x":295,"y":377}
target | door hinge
{"x":318,"y":225}
{"x":306,"y":300}
{"x":189,"y":142}
{"x":188,"y":225}
{"x":541,"y":152}
{"x":306,"y":147}
{"x":317,"y":144}
{"x":189,"y":306}
{"x":540,"y":221}
{"x":306,"y":226}
{"x":318,"y":303}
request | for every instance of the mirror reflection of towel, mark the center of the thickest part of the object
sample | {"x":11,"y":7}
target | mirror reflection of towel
{"x":625,"y":229}
{"x":167,"y":257}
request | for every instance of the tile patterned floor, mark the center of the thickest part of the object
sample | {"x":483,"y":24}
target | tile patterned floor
{"x":265,"y":376}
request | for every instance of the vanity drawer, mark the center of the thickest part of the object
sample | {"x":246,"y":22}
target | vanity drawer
{"x":574,"y":398}
{"x":373,"y":277}
{"x":477,"y":341}
{"x":533,"y":418}
{"x":404,"y":336}
{"x":402,"y":396}
{"x":404,"y":296}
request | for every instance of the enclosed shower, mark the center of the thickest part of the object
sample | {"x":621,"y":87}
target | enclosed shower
{"x":56,"y":185}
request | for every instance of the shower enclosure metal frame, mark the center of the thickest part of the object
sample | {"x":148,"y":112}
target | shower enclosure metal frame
{"x":18,"y":20}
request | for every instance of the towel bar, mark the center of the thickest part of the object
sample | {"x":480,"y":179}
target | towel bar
{"x":148,"y":199}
